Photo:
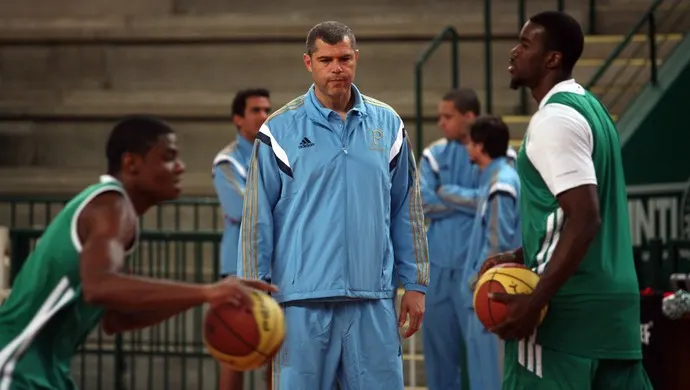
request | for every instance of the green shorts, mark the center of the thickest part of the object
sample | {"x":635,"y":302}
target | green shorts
{"x":539,"y":368}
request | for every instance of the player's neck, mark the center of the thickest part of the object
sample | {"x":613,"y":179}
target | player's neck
{"x":547,"y":83}
{"x":340,"y":104}
{"x":463,"y":139}
{"x":246,"y":136}
{"x":483,"y":162}
{"x":139,"y":201}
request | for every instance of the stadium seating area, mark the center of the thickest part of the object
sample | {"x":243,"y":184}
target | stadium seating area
{"x":67,"y":70}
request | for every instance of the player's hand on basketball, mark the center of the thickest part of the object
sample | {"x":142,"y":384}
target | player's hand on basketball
{"x":259,"y":285}
{"x":412,"y":306}
{"x":492,"y":261}
{"x":523,"y":316}
{"x":235,"y":291}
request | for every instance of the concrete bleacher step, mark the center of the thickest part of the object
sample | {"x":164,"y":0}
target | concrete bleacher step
{"x":468,"y":14}
{"x":69,"y":180}
{"x":672,"y":16}
{"x":383,"y":66}
{"x":69,"y":144}
{"x":612,"y":17}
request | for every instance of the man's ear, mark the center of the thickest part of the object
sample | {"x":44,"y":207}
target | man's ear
{"x":130,"y":163}
{"x":237,"y":120}
{"x":554,"y":60}
{"x":307,"y":61}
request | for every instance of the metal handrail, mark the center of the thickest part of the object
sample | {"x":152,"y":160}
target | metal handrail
{"x":646,"y":17}
{"x":449,"y":32}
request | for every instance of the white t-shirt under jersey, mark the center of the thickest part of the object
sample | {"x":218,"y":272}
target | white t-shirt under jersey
{"x":559,"y":143}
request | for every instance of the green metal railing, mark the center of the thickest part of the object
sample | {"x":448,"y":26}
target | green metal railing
{"x":180,"y":241}
{"x":657,"y":261}
{"x":448,"y":33}
{"x":186,"y":214}
{"x":488,"y":46}
{"x":615,"y":86}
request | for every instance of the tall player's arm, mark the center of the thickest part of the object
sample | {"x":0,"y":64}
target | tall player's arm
{"x":560,"y":147}
{"x":261,"y":196}
{"x":106,"y":227}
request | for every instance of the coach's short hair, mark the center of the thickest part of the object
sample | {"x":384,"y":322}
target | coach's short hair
{"x":330,"y":32}
{"x":239,"y":103}
{"x":464,"y":99}
{"x":133,"y":134}
{"x":491,"y":132}
{"x":562,"y":33}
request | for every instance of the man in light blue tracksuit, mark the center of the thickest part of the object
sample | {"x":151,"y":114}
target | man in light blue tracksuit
{"x":250,"y":108}
{"x":333,"y":216}
{"x":496,"y":229}
{"x":449,"y":182}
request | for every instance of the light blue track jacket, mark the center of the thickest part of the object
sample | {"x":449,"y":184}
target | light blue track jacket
{"x":449,"y":192}
{"x":332,"y":208}
{"x":496,"y":226}
{"x":229,"y":180}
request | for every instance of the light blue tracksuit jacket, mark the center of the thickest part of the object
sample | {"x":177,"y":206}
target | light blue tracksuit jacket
{"x":333,"y":212}
{"x":229,"y":180}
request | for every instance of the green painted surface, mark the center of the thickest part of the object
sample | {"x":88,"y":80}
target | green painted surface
{"x":655,"y":134}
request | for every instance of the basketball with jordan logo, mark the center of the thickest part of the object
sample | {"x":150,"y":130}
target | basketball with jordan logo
{"x":512,"y":278}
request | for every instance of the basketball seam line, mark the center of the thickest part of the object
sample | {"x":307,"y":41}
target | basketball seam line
{"x":491,"y":314}
{"x":242,"y":340}
{"x":513,"y":277}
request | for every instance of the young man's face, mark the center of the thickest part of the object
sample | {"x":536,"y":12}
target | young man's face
{"x":256,"y":111}
{"x":529,"y":59}
{"x":474,"y":150}
{"x":333,"y":67}
{"x":158,"y":173}
{"x":452,"y":123}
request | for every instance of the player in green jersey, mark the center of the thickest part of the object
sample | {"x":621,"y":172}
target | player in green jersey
{"x":575,"y":230}
{"x":73,"y":279}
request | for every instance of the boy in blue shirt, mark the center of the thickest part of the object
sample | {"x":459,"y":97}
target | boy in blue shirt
{"x":496,"y":229}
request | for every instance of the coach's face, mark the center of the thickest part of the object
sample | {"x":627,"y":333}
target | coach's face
{"x":332,"y":67}
{"x":528,"y":59}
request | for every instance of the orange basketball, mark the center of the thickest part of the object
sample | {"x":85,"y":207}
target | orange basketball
{"x":511,"y":278}
{"x":245,"y":339}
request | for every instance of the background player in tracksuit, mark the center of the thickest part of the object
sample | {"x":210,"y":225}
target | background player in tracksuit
{"x":250,"y":108}
{"x":495,"y":229}
{"x":448,"y":184}
{"x":333,"y":216}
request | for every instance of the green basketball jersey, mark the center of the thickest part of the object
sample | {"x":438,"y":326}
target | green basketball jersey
{"x":45,"y":319}
{"x":597,"y":312}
